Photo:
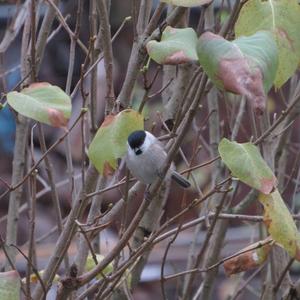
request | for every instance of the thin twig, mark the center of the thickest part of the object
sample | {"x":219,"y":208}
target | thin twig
{"x":220,"y":262}
{"x":54,"y":193}
{"x":17,"y":185}
{"x":282,"y":275}
{"x":66,"y":26}
{"x":107,"y":53}
{"x":34,"y":269}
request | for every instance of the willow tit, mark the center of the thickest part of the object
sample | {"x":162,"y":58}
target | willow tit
{"x":145,"y":157}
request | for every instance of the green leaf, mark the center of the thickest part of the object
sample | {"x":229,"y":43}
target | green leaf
{"x":109,"y":143}
{"x":90,"y":264}
{"x":280,"y":223}
{"x":10,"y":286}
{"x":245,"y":66}
{"x":33,"y":278}
{"x":177,"y":46}
{"x":187,"y":3}
{"x":224,"y":15}
{"x":42,"y":102}
{"x":246,"y":163}
{"x":282,"y":17}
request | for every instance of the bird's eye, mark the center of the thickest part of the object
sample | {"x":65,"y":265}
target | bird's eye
{"x":138,"y":151}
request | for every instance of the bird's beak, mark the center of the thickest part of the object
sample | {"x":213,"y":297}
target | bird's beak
{"x":137,"y":151}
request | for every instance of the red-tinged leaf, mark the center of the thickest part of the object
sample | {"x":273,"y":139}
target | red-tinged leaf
{"x":108,"y":120}
{"x":57,"y":118}
{"x":177,"y":46}
{"x":246,"y":66}
{"x":282,"y":18}
{"x":246,"y":163}
{"x":108,"y":170}
{"x":109,"y":143}
{"x":42,"y":102}
{"x":280,"y":224}
{"x":238,"y":78}
{"x":177,"y":58}
{"x":36,"y":85}
{"x":248,"y":258}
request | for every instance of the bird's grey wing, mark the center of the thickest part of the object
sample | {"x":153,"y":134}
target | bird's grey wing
{"x":157,"y":155}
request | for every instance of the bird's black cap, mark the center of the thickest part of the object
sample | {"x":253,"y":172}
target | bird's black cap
{"x":136,"y":139}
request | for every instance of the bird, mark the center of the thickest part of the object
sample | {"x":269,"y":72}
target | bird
{"x":146,"y":156}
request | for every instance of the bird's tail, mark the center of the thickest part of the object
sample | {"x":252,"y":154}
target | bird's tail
{"x":180,"y":179}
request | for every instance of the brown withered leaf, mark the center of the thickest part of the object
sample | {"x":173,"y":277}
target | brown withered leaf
{"x":248,"y":258}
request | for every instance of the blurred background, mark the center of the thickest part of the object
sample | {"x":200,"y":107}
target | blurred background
{"x":54,"y":70}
